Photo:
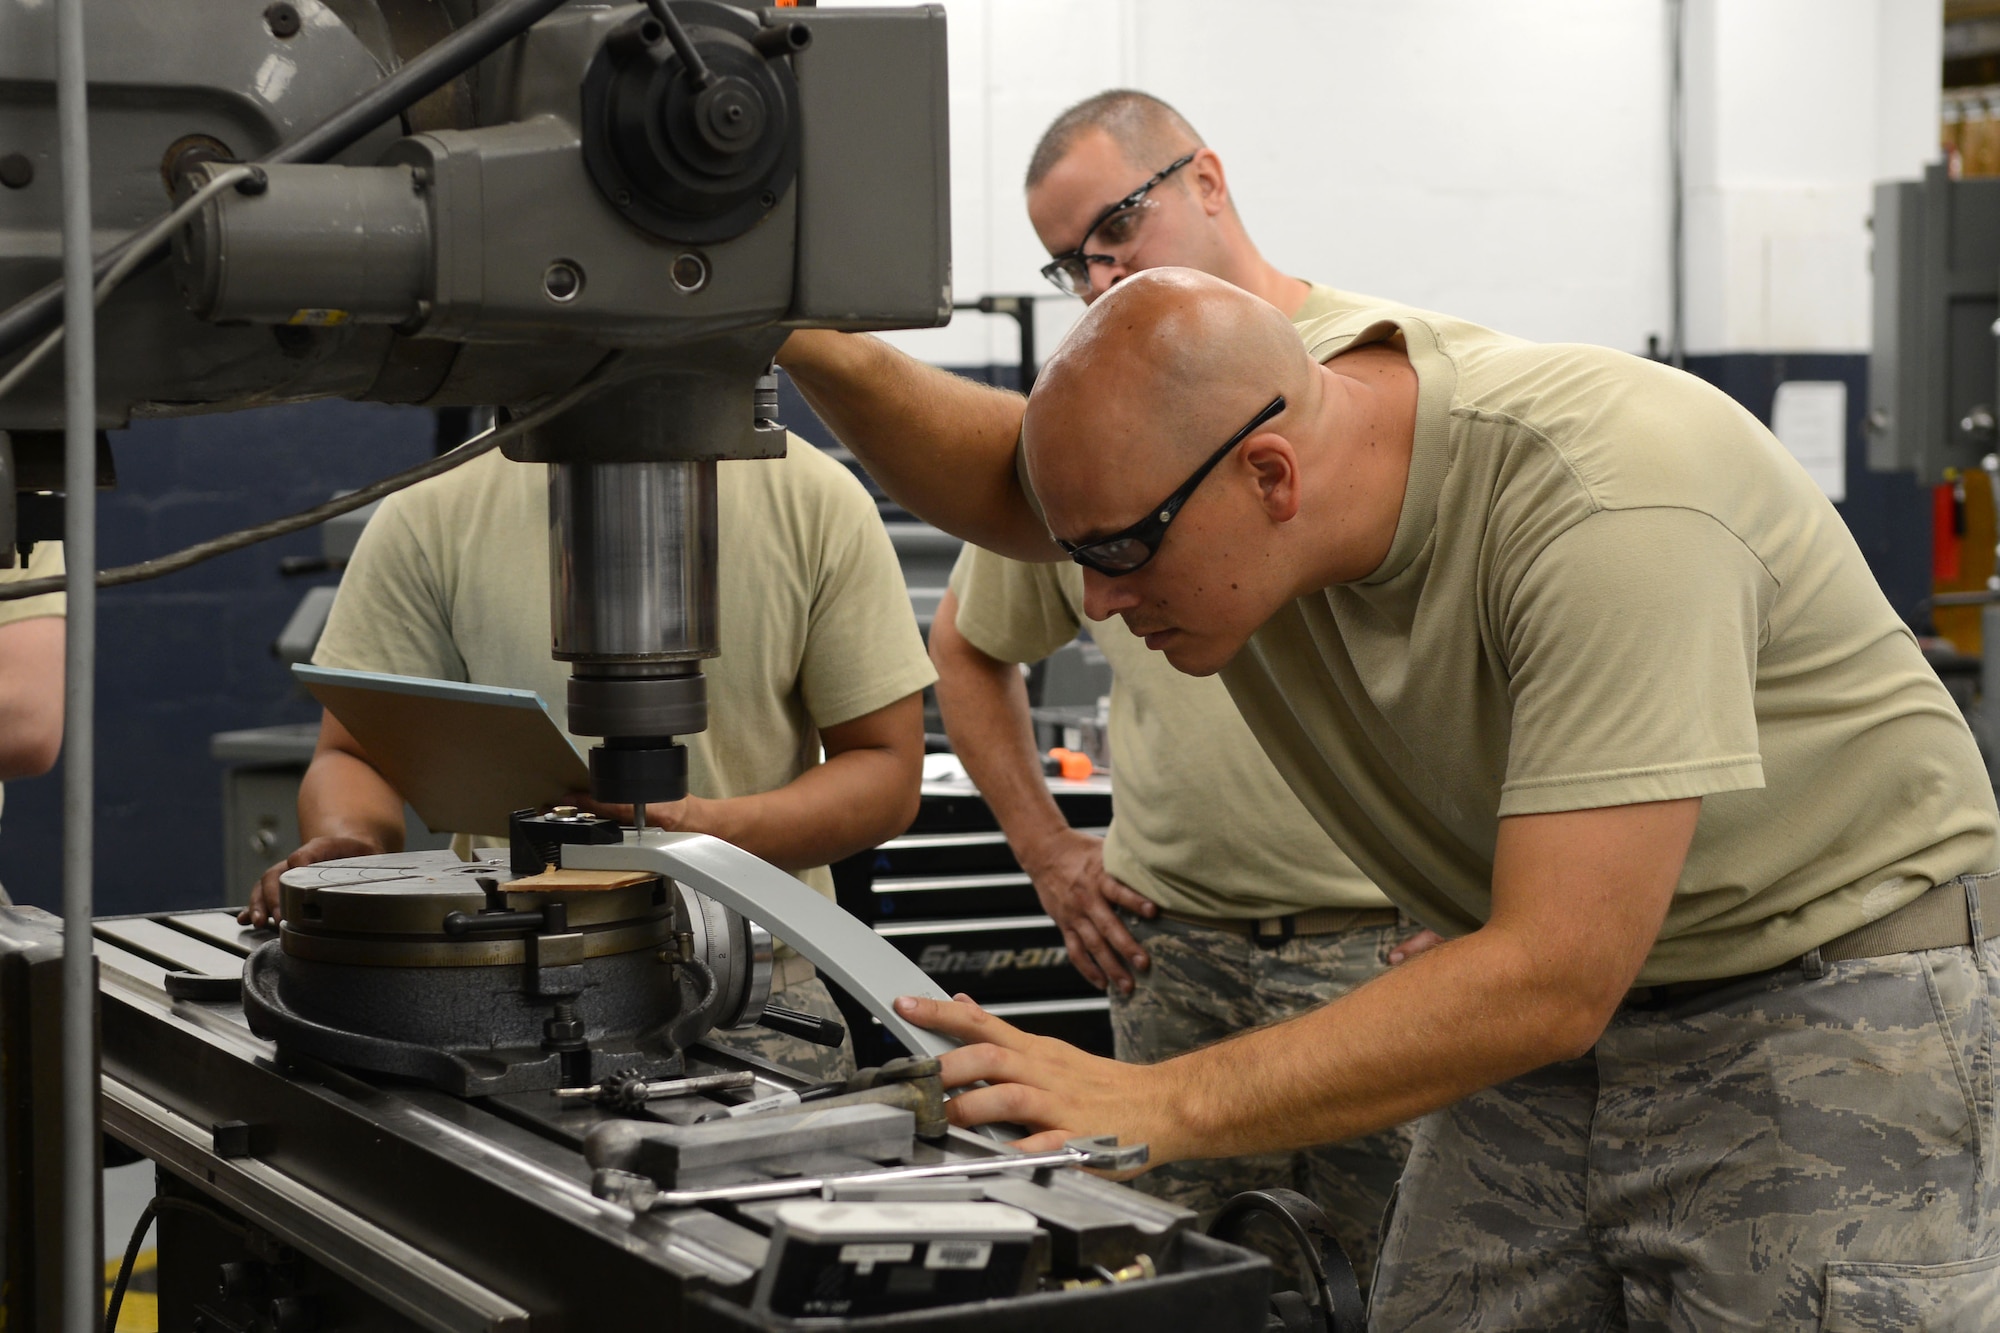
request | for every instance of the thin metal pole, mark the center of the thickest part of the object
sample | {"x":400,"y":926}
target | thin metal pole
{"x":1677,"y":183}
{"x":83,"y":1279}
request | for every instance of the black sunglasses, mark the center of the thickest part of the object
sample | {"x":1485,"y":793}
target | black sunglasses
{"x":1127,"y":549}
{"x":1070,"y":271}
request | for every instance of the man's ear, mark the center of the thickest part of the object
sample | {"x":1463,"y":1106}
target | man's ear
{"x":1275,"y":465}
{"x":1210,"y":185}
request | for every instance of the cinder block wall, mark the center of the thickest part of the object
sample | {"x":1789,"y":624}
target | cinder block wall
{"x":190,"y":655}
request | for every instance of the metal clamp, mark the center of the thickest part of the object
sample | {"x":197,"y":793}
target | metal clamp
{"x":629,"y":1090}
{"x":552,"y":919}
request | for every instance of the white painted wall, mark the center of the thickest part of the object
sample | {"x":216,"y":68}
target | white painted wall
{"x":1796,"y":108}
{"x":1502,"y":159}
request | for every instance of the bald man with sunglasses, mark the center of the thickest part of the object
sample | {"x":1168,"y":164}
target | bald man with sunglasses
{"x":1214,"y":903}
{"x":1569,"y":653}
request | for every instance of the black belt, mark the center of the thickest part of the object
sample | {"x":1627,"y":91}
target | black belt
{"x":1941,"y":918}
{"x":1271,"y":931}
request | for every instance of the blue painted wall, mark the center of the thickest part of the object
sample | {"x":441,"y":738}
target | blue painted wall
{"x":190,"y":655}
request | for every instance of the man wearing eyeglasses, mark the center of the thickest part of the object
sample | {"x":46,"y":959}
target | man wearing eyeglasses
{"x":1214,"y":903}
{"x":1119,"y":183}
{"x":1580,"y":666}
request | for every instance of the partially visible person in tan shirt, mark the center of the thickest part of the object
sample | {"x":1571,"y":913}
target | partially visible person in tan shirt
{"x":31,"y":670}
{"x":820,"y":649}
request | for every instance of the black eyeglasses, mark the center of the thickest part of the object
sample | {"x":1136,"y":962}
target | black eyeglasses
{"x":1070,"y":271}
{"x":1127,"y":549}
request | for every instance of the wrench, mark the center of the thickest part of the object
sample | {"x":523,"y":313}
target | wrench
{"x":1102,"y":1153}
{"x":631,"y":1092}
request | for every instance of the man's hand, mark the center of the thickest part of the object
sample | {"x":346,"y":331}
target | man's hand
{"x":266,"y":899}
{"x":864,"y":794}
{"x":1047,"y":1085}
{"x":673,"y":816}
{"x":986,"y":714}
{"x":1420,"y":943}
{"x":1067,"y":868}
{"x":346,"y":808}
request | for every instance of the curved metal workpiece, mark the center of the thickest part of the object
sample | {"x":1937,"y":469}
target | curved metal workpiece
{"x":861,"y":962}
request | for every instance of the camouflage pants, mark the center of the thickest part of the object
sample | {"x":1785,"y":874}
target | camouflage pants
{"x":1207,"y":984}
{"x":796,"y":985}
{"x":1797,"y":1152}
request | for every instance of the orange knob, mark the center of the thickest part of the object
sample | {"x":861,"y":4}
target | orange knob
{"x":1072,"y":764}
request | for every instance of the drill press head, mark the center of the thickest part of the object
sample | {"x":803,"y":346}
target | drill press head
{"x":647,"y":196}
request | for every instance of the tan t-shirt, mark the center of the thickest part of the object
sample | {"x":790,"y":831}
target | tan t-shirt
{"x":1323,"y":301}
{"x":451,"y":580}
{"x":44,"y":561}
{"x":1201,"y":822}
{"x":1609,"y":584}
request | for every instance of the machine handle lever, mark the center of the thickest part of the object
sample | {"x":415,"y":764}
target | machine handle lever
{"x":699,"y":76}
{"x":551,"y":920}
{"x":806,"y":1027}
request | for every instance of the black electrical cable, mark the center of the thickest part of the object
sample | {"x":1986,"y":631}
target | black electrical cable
{"x":189,"y":556}
{"x":34,"y":315}
{"x":154,"y":1207}
{"x":417,"y":78}
{"x":107,"y":283}
{"x":117,"y":1300}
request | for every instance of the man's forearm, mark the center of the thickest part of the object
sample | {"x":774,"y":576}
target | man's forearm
{"x":985,"y":706}
{"x":1464,"y":1016}
{"x":31,"y":696}
{"x":346,"y":808}
{"x":941,"y":445}
{"x":855,"y":800}
{"x":342,"y":796}
{"x":1578,"y":900}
